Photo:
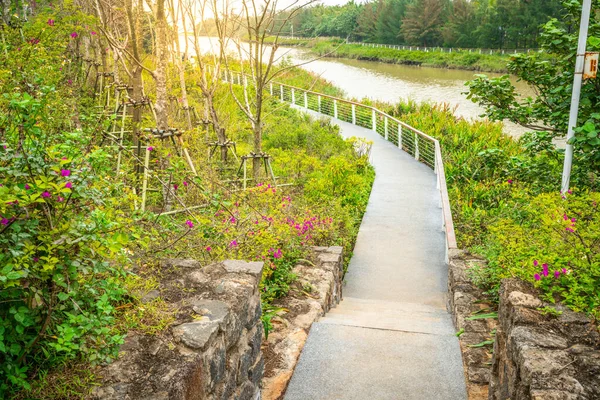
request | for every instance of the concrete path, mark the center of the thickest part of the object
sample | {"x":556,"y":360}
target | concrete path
{"x":391,"y":336}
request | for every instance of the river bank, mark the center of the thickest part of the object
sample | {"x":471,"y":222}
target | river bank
{"x":334,"y":48}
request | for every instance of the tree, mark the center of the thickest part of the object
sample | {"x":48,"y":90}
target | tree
{"x":548,"y":112}
{"x":258,"y":23}
{"x":423,"y":21}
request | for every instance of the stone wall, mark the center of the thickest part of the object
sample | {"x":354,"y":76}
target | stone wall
{"x":212,"y":351}
{"x":542,"y":356}
{"x":319,"y":287}
{"x":466,"y":300}
{"x":536,"y":355}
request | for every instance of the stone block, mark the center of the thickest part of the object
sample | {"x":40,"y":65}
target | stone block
{"x":247,"y":267}
{"x":256,"y":372}
{"x":197,"y":334}
{"x":523,"y":299}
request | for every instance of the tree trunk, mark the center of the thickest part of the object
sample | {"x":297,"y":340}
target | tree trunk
{"x":161,"y":67}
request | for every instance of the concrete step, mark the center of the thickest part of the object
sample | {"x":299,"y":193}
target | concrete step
{"x":351,"y":363}
{"x":389,"y":315}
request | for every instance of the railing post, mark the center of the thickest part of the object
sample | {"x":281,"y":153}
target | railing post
{"x":305,"y":100}
{"x":399,"y":136}
{"x":271,"y":88}
{"x":319,"y":103}
{"x":374,"y":121}
{"x":335,"y":114}
{"x":281,"y":90}
{"x":416,"y":146}
{"x":386,"y":127}
{"x":293,"y":96}
{"x":354,"y":114}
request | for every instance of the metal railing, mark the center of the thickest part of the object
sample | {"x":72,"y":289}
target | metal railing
{"x":443,"y":49}
{"x":421,"y":146}
{"x":427,"y":49}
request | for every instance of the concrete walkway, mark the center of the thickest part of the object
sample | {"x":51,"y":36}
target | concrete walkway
{"x":391,"y":337}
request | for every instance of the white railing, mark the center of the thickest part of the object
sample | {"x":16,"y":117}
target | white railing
{"x":443,"y":49}
{"x":421,"y":146}
{"x":427,"y":49}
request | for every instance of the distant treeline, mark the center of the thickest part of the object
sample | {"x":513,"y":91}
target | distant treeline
{"x":502,"y":24}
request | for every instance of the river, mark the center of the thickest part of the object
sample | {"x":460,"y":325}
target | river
{"x":393,"y":82}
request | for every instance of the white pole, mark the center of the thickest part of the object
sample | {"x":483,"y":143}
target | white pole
{"x":577,"y":78}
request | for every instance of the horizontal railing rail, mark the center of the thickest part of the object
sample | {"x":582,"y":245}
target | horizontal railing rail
{"x":421,"y":146}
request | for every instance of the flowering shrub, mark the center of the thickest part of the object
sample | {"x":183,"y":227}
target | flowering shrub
{"x":63,"y":221}
{"x":555,"y":243}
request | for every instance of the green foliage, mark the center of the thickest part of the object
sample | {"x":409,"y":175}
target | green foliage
{"x":554,"y":242}
{"x":457,"y":60}
{"x":63,"y":222}
{"x":501,"y":24}
{"x":550,"y":73}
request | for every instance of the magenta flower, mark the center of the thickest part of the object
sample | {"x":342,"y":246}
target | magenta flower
{"x":50,"y":22}
{"x":189,"y":223}
{"x":60,"y":199}
{"x":65,"y":172}
{"x":68,"y":185}
{"x":537,"y":277}
{"x":545,"y":269}
{"x":150,"y":148}
{"x":4,"y":221}
{"x":233,"y":243}
{"x":535,"y":263}
{"x":556,"y":274}
{"x":510,"y":181}
{"x":573,"y":219}
{"x":93,"y":33}
{"x":27,"y":187}
{"x":46,"y":194}
{"x":36,"y":259}
{"x":569,"y":230}
{"x":208,"y":248}
{"x":565,"y":217}
{"x":570,"y":191}
{"x":232,"y":220}
{"x":277,"y":254}
{"x":70,"y":81}
{"x":74,"y":35}
{"x":564,"y":270}
{"x":175,"y":186}
{"x":185,"y":183}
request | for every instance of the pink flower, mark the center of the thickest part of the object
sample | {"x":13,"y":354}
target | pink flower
{"x":535,"y":263}
{"x":93,"y":33}
{"x":570,"y":191}
{"x":50,"y":22}
{"x":208,"y":248}
{"x":189,"y":223}
{"x":46,"y":194}
{"x":70,"y":81}
{"x":175,"y":186}
{"x":556,"y":274}
{"x":510,"y":181}
{"x":74,"y":35}
{"x":185,"y":183}
{"x":68,"y":185}
{"x":545,"y":269}
{"x":573,"y":219}
{"x":564,"y":270}
{"x":565,"y":217}
{"x":27,"y":187}
{"x":4,"y":221}
{"x":150,"y":148}
{"x":60,"y":199}
{"x":233,"y":243}
{"x":65,"y":172}
{"x":537,"y":277}
{"x":277,"y":254}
